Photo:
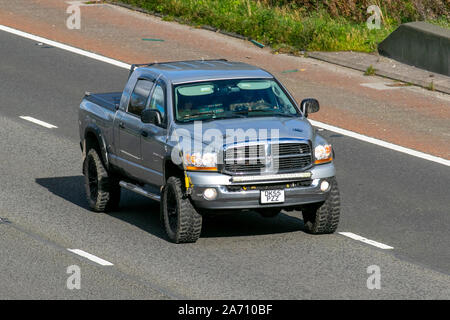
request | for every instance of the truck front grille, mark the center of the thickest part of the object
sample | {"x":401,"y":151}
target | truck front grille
{"x":280,"y":157}
{"x":271,"y":186}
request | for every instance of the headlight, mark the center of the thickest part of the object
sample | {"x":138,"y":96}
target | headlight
{"x":323,"y":153}
{"x":198,"y":161}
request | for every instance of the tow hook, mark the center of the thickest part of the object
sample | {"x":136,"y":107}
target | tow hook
{"x":188,"y":184}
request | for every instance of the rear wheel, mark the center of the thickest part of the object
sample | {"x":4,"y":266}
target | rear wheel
{"x":102,"y":190}
{"x":323,"y":218}
{"x":181,"y":221}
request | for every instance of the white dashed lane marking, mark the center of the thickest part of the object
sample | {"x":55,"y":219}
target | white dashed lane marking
{"x":91,"y":257}
{"x":39,"y":122}
{"x":365,"y":240}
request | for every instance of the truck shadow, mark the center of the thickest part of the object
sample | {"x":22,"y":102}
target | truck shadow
{"x":144,"y":213}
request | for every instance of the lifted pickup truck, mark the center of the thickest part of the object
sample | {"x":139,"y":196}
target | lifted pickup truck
{"x":156,"y":138}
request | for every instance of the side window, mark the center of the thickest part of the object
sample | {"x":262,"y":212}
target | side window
{"x":158,"y":102}
{"x":139,"y":96}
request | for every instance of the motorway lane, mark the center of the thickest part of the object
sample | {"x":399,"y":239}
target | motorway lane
{"x":47,"y":83}
{"x":387,"y":196}
{"x":241,"y":256}
{"x":396,"y":199}
{"x":34,"y":268}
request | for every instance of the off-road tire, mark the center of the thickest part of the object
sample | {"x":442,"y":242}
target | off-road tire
{"x":323,"y":218}
{"x":182,"y":222}
{"x":102,"y":189}
{"x":269,"y":212}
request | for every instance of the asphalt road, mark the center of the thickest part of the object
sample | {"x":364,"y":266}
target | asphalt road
{"x":389,"y":197}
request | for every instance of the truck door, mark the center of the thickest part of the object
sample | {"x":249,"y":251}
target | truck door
{"x":153,"y":138}
{"x":130,"y":126}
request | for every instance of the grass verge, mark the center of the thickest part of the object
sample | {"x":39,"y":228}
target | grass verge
{"x":284,"y":28}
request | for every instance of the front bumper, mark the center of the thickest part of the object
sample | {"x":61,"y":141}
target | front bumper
{"x":250,"y":199}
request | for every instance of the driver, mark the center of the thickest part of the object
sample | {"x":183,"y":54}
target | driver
{"x":186,"y":110}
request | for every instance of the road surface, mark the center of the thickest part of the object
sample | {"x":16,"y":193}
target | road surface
{"x":389,"y":197}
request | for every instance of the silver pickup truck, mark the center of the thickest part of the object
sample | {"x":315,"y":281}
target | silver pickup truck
{"x":207,"y":137}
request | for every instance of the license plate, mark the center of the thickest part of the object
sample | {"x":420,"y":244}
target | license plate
{"x":272,"y":196}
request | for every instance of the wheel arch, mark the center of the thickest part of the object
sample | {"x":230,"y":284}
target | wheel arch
{"x":172,"y":169}
{"x":93,"y":138}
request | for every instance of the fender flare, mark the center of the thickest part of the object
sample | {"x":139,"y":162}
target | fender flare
{"x":95,"y":130}
{"x":168,"y":162}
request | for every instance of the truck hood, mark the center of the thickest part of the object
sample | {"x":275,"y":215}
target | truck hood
{"x":287,"y":127}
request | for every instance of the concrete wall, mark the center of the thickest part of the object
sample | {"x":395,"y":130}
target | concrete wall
{"x":419,"y":44}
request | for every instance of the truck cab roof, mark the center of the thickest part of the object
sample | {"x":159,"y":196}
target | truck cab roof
{"x":203,"y":70}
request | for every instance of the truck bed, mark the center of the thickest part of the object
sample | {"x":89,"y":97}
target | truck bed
{"x":107,"y":100}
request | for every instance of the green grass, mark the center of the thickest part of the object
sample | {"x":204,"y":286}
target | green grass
{"x":441,"y":22}
{"x":283,"y":28}
{"x":370,"y":71}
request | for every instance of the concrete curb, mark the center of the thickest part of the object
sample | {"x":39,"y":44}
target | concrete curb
{"x":442,"y":85}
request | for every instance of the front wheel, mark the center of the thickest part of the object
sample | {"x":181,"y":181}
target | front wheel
{"x":181,"y":221}
{"x":323,"y":218}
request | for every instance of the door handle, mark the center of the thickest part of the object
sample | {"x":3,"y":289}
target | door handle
{"x":144,"y":133}
{"x":121,"y":125}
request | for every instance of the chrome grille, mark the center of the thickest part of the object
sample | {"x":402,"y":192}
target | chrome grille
{"x":293,"y":148}
{"x":249,"y":158}
{"x":263,"y":158}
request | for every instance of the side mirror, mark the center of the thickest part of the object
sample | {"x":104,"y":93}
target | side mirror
{"x":309,"y":105}
{"x":151,"y":116}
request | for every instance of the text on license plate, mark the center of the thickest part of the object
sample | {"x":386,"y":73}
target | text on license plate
{"x":272,"y":196}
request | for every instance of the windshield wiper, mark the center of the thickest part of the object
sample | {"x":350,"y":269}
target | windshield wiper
{"x":285,"y":115}
{"x":224,"y":117}
{"x":268,"y":114}
{"x":193,"y":117}
{"x":200,"y":114}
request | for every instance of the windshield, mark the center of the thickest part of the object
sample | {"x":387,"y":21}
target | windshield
{"x":237,"y":98}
